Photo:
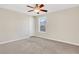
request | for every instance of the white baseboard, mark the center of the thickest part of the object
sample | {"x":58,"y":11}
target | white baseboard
{"x":72,"y":43}
{"x":66,"y":42}
{"x":14,"y":40}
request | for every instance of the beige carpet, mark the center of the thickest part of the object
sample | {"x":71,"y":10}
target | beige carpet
{"x":35,"y":45}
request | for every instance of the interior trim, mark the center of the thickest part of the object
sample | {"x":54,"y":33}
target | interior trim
{"x":4,"y":42}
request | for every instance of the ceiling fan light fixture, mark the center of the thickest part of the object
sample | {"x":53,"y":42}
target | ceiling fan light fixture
{"x":36,"y":10}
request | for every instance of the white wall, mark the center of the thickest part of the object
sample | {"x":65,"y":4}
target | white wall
{"x":31,"y":25}
{"x":62,"y":26}
{"x":13,"y":25}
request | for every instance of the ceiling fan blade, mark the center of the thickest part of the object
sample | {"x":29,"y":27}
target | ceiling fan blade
{"x":30,"y":6}
{"x":42,"y":5}
{"x":30,"y":10}
{"x":44,"y":10}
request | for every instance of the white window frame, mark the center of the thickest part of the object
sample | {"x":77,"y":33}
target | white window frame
{"x":39,"y":24}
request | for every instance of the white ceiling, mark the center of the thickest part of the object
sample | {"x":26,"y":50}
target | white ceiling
{"x":50,"y":7}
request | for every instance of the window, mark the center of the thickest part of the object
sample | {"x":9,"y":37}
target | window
{"x":42,"y":24}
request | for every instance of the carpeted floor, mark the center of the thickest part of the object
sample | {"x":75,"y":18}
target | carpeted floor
{"x":35,"y":45}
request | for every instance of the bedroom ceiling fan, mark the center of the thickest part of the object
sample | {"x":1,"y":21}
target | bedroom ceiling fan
{"x":38,"y":8}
